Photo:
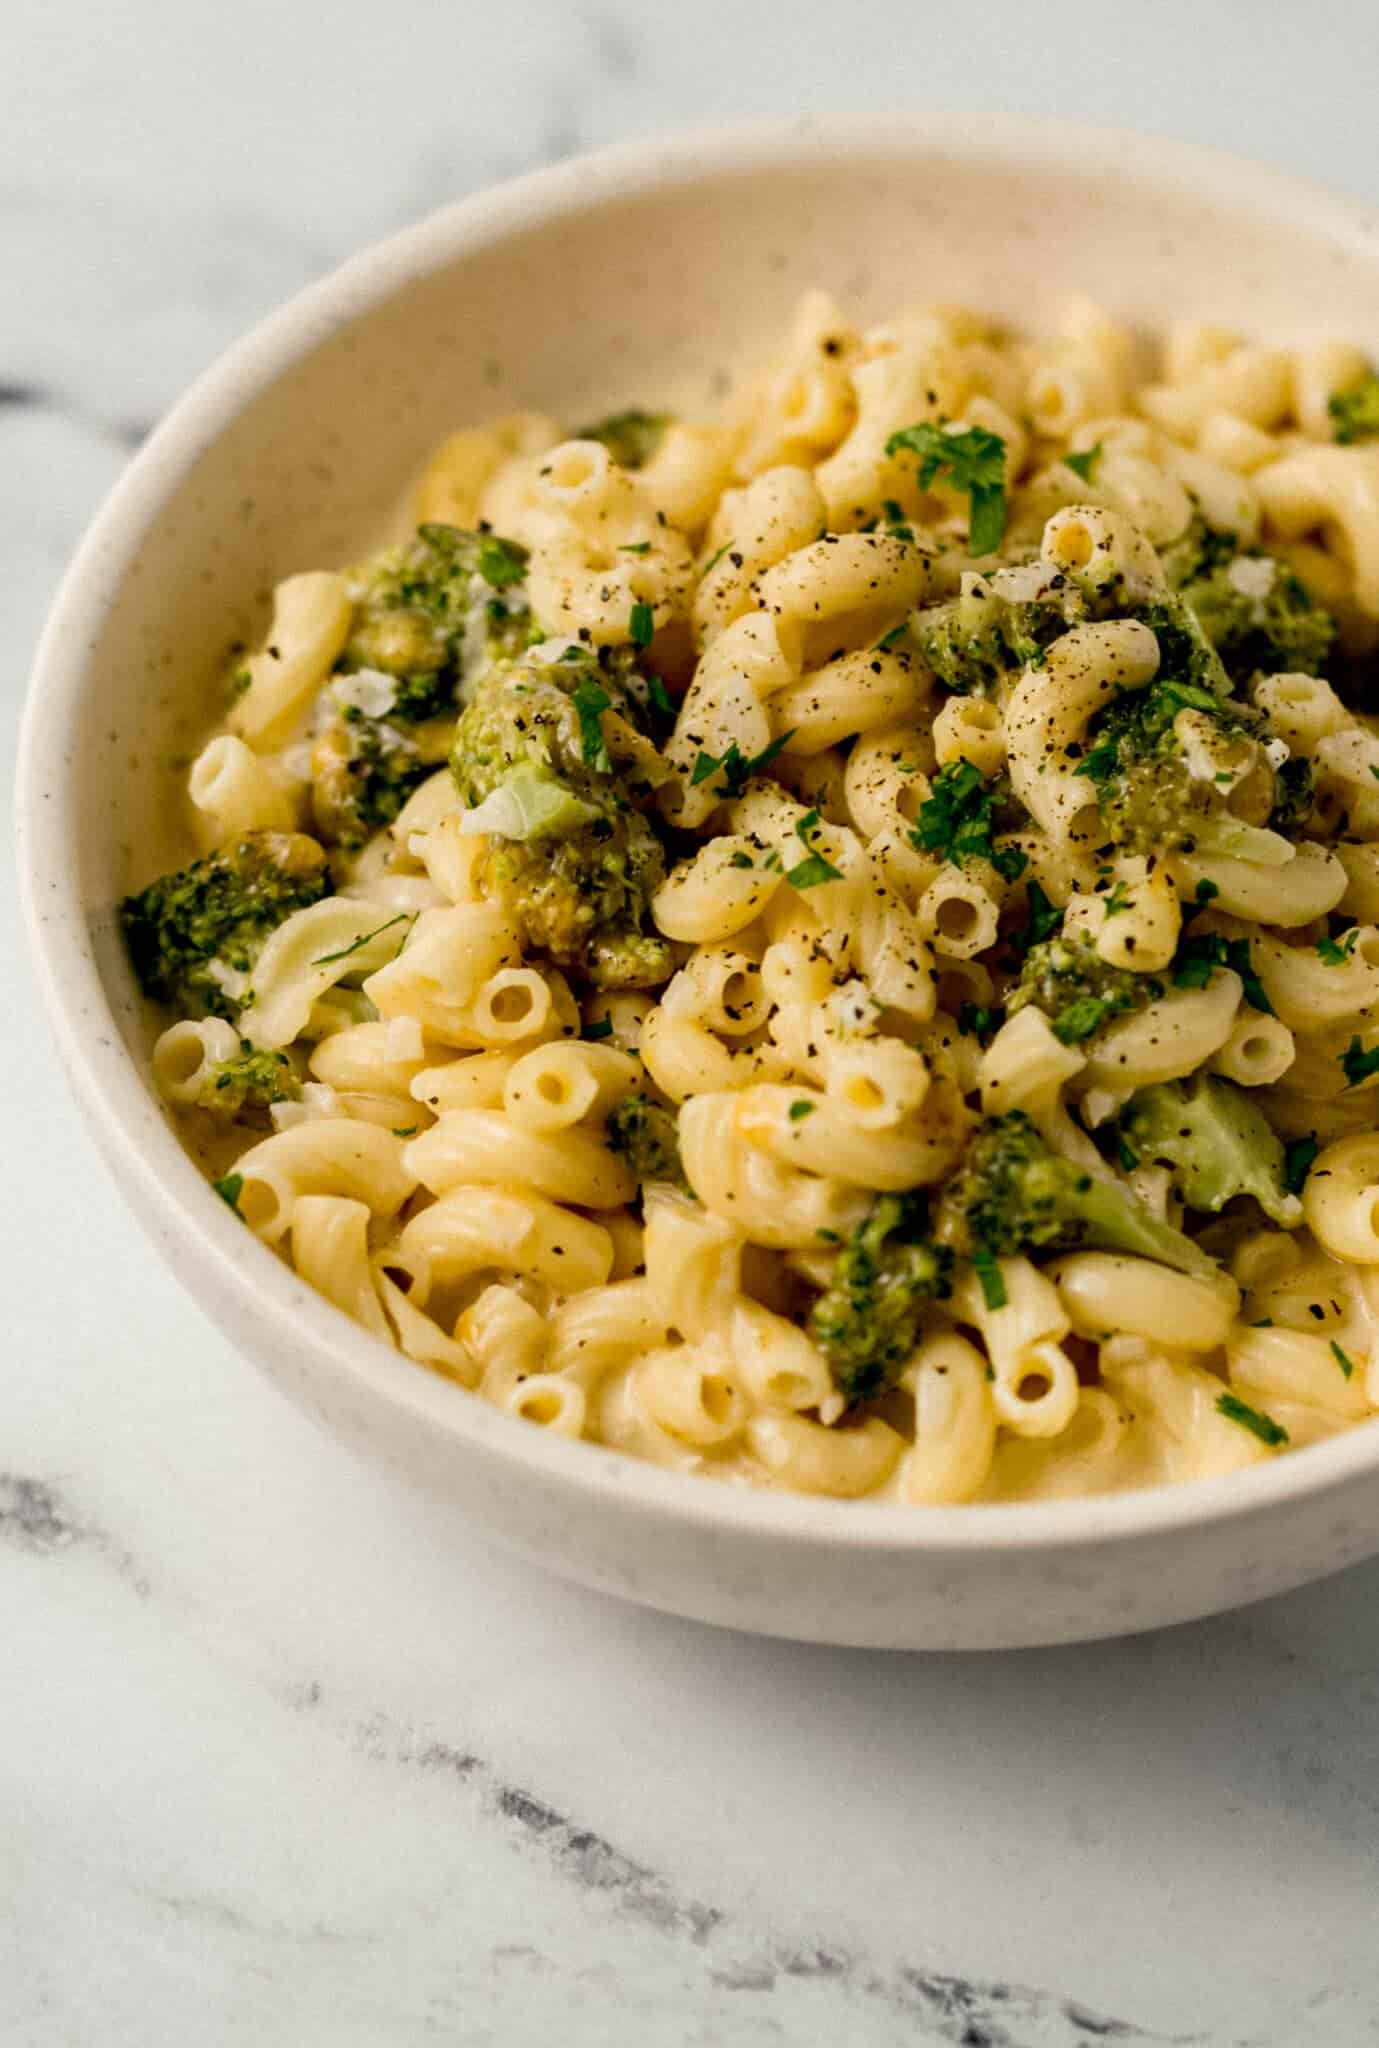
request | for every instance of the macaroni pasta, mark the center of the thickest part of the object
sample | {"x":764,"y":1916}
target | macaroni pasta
{"x":835,"y":946}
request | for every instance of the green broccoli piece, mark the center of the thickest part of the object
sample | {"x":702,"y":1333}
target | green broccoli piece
{"x":1013,"y":1194}
{"x":972,"y":642}
{"x":434,"y":612}
{"x":867,"y":1321}
{"x":644,"y":1134}
{"x":1076,"y":989}
{"x":1162,"y":760}
{"x":364,"y":768}
{"x":631,"y":438}
{"x":570,"y":850}
{"x":1355,"y":413}
{"x":193,"y":936}
{"x":1217,"y":1142}
{"x":246,"y":1085}
{"x":1257,"y":614}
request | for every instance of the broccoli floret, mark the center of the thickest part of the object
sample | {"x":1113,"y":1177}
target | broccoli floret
{"x":570,"y":851}
{"x":435,"y":612}
{"x":1217,"y":1142}
{"x":1355,"y":413}
{"x":245,"y":1085}
{"x":971,"y":642}
{"x":644,"y":1134}
{"x":1255,"y":611}
{"x":1013,"y":1194}
{"x":631,"y":438}
{"x":1164,"y":759}
{"x":868,"y":1319}
{"x":193,"y":936}
{"x":1076,"y":989}
{"x":365,"y":766}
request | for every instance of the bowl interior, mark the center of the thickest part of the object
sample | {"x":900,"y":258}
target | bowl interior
{"x":647,"y":275}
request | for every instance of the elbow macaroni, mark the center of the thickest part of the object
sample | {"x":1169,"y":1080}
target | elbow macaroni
{"x":447,"y":1158}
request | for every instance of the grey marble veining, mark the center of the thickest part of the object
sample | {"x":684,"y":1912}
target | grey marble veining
{"x":281,"y":1758}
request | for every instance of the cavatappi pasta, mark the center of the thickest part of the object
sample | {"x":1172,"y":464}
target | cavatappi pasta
{"x":833,"y":947}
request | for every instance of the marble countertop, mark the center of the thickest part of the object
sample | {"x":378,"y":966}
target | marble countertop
{"x":279,"y":1762}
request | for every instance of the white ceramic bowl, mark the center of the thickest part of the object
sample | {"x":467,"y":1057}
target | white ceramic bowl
{"x":636,"y":274}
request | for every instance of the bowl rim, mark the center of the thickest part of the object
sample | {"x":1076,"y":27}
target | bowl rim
{"x":160,"y":1180}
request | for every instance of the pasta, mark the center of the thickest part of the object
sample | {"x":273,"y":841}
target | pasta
{"x":833,"y":946}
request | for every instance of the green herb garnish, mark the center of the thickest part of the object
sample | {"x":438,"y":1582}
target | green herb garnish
{"x":1202,"y":953}
{"x":975,"y":1020}
{"x":1347,"y":1365}
{"x":229,"y":1189}
{"x":737,"y":767}
{"x":973,"y":461}
{"x":1083,"y":465}
{"x":955,"y":820}
{"x":1297,"y":1163}
{"x":800,"y":1110}
{"x":816,"y":869}
{"x":403,"y":917}
{"x":1263,"y":1426}
{"x":1357,"y":1064}
{"x":987,"y":1268}
{"x":591,"y":701}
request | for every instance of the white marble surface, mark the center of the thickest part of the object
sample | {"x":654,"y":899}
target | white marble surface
{"x":279,"y":1762}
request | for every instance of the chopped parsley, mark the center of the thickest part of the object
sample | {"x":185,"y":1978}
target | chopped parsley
{"x":715,"y":558}
{"x":590,"y":703}
{"x":1084,"y":464}
{"x":1263,"y":1426}
{"x":889,"y":640}
{"x":1044,"y":919}
{"x":987,"y":1268}
{"x":1201,"y":953}
{"x":1117,"y":901}
{"x":955,"y":820}
{"x":739,"y":859}
{"x":1357,"y":1064}
{"x":230,"y":1189}
{"x":635,"y":547}
{"x":1297,"y":1163}
{"x":738,"y":768}
{"x":973,"y":461}
{"x":1336,"y":952}
{"x":659,"y":697}
{"x":603,"y":1028}
{"x":403,"y":917}
{"x":641,"y":626}
{"x":975,"y":1020}
{"x":1347,"y":1365}
{"x":808,"y":874}
{"x":800,"y":1110}
{"x":407,"y":1131}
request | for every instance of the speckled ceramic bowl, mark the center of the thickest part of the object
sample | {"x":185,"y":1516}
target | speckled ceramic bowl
{"x":637,"y":274}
